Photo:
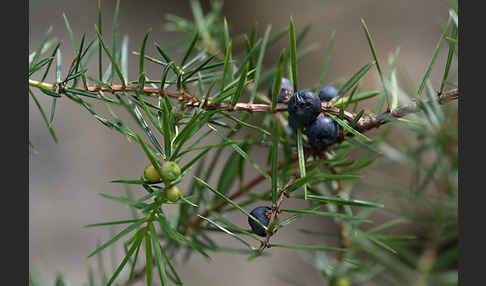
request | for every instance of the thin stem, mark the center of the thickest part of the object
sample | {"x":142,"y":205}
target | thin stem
{"x":276,"y":210}
{"x":283,"y":196}
{"x":428,"y":255}
{"x":243,"y":190}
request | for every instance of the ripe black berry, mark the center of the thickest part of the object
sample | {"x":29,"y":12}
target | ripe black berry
{"x":327,"y":92}
{"x":262,"y":214}
{"x":322,"y":132}
{"x":286,"y":90}
{"x":293,"y":123}
{"x":304,"y":106}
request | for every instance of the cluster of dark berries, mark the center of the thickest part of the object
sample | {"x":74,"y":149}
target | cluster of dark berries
{"x":304,"y":108}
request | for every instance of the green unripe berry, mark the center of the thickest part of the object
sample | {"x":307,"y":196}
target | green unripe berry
{"x":173,"y":193}
{"x":341,"y":281}
{"x":150,"y":174}
{"x":170,"y":171}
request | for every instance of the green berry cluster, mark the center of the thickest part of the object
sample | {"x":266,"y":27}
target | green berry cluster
{"x":170,"y":171}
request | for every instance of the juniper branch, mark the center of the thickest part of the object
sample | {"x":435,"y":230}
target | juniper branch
{"x":366,"y":122}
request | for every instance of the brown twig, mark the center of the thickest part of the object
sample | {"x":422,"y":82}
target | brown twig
{"x":366,"y":122}
{"x":369,"y":121}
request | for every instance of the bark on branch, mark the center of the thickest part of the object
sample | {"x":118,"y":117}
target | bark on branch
{"x":366,"y":122}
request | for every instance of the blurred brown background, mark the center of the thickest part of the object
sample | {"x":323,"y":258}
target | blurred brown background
{"x":65,"y":178}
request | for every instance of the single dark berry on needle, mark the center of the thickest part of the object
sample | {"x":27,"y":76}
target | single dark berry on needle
{"x":322,"y":132}
{"x":262,"y":214}
{"x":286,"y":90}
{"x":327,"y":92}
{"x":304,"y":106}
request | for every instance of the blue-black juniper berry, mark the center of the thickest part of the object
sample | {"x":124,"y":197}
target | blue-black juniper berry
{"x":293,"y":123}
{"x":322,"y":132}
{"x":262,"y":214}
{"x":286,"y":90}
{"x":304,"y":106}
{"x":327,"y":92}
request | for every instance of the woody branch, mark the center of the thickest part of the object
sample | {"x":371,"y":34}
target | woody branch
{"x":366,"y":122}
